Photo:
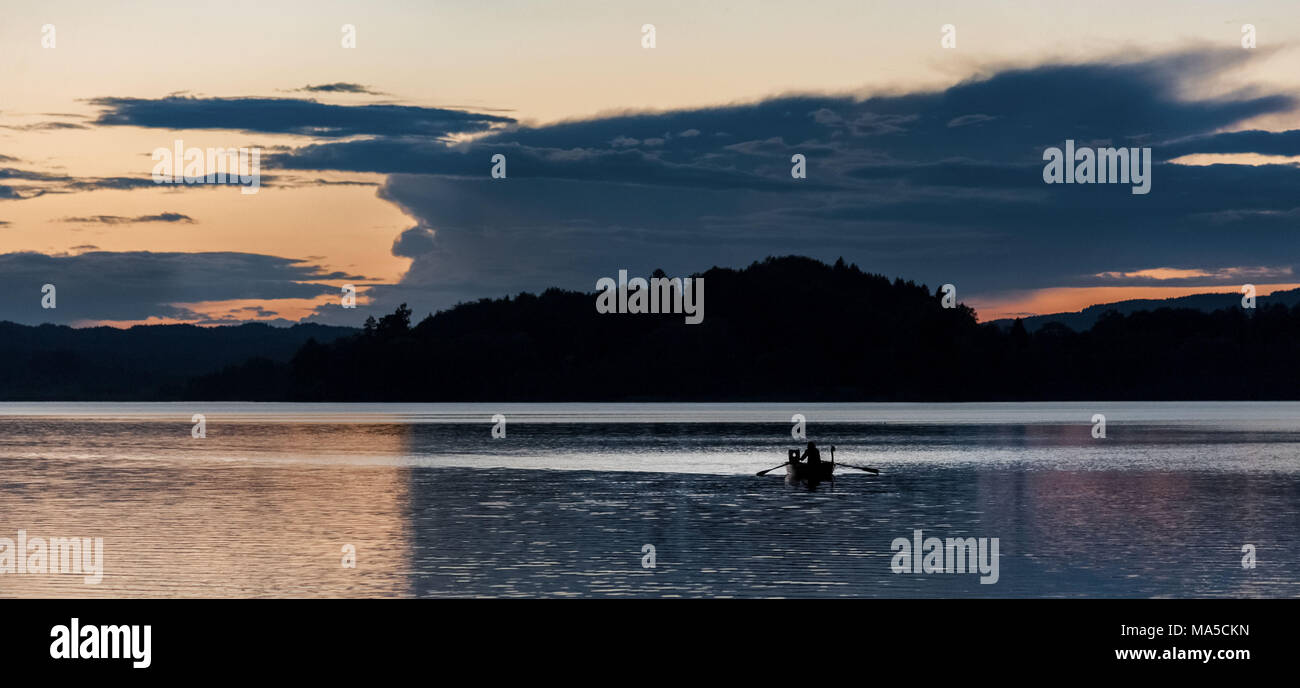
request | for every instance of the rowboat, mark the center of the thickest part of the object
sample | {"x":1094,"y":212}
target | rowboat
{"x":806,"y":471}
{"x":796,"y":470}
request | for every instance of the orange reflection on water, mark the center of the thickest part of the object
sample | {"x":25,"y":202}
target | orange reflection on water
{"x":186,"y":526}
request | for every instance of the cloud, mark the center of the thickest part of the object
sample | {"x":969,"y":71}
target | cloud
{"x":940,"y":186}
{"x":611,"y":165}
{"x":46,"y":126}
{"x":136,"y":285}
{"x":339,"y":87}
{"x":1252,"y":141}
{"x":969,"y":119}
{"x":1199,"y":276}
{"x":1004,"y":118}
{"x":292,"y":116}
{"x":413,"y":242}
{"x":120,"y":220}
{"x":34,"y":183}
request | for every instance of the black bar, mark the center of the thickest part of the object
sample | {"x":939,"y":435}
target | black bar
{"x":940,"y":639}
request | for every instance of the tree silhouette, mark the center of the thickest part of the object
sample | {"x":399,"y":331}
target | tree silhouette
{"x":787,"y":328}
{"x":794,"y":328}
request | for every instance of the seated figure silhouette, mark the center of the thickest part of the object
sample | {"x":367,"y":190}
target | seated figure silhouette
{"x":811,"y":455}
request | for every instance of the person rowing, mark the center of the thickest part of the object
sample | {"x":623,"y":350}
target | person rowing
{"x":811,"y":460}
{"x":811,"y":455}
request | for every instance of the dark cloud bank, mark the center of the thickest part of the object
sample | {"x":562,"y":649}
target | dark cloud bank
{"x":104,"y":285}
{"x":939,"y":187}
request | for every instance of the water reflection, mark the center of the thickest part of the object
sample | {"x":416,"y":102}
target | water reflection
{"x":219,"y":528}
{"x":262,"y":507}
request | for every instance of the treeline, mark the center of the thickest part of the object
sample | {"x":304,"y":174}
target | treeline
{"x":143,"y":363}
{"x":783,"y":329}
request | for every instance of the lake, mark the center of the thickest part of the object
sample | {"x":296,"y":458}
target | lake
{"x":566,"y":503}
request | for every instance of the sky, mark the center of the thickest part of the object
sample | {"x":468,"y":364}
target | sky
{"x":922,"y":161}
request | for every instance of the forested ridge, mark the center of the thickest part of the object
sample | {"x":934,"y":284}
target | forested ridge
{"x":787,"y":328}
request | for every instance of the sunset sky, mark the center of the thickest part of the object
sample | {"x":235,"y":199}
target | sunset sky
{"x":923,"y":162}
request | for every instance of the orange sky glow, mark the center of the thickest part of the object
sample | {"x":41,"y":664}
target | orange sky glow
{"x":1073,"y":299}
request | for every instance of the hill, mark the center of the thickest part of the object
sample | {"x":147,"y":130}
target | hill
{"x":788,"y":328}
{"x":145,"y":362}
{"x":783,"y":329}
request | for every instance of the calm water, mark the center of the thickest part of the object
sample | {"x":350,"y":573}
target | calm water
{"x":563,"y":505}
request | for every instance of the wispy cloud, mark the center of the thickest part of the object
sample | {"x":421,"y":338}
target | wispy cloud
{"x":34,"y":183}
{"x":45,"y":126}
{"x":292,"y":116}
{"x":120,"y":220}
{"x":1231,"y":274}
{"x":339,"y":87}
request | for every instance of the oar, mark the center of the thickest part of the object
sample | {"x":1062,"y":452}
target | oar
{"x":770,"y":469}
{"x":861,"y":468}
{"x":868,"y":469}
